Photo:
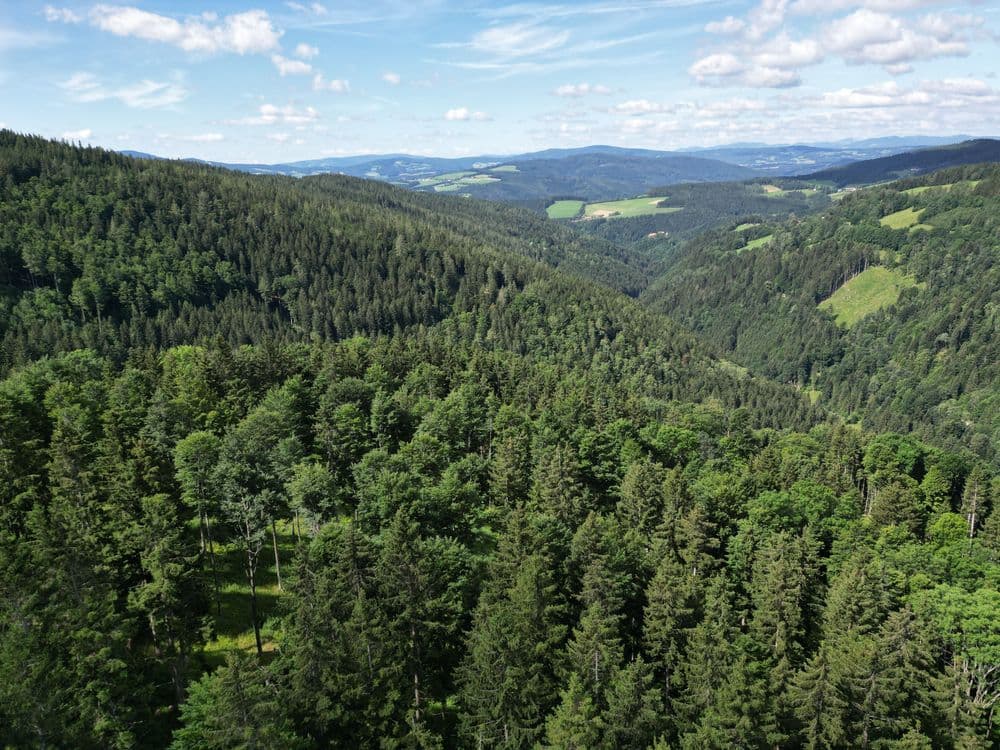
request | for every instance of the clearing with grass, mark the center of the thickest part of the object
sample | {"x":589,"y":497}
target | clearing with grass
{"x":903,"y":219}
{"x":625,"y":209}
{"x":871,"y":290}
{"x":564,"y":209}
{"x":759,"y":242}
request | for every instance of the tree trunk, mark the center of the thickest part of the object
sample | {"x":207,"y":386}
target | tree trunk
{"x":277,"y":559}
{"x":253,"y":609}
{"x":215,"y":572}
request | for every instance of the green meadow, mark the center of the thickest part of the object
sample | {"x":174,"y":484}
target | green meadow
{"x":869,"y":291}
{"x":628,"y":208}
{"x":907,"y":217}
{"x":564,"y":209}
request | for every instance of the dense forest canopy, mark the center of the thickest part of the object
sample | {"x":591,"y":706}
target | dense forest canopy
{"x":928,"y":361}
{"x":322,"y":463}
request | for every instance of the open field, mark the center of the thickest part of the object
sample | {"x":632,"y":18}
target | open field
{"x":907,"y":217}
{"x":744,"y":227}
{"x":643,"y":206}
{"x":564,"y":209}
{"x":505,"y":168}
{"x":869,"y":291}
{"x":757,"y":242}
{"x":946,"y":186}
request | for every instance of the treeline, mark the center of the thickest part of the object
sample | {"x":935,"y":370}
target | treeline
{"x":492,"y":554}
{"x":929,"y":363}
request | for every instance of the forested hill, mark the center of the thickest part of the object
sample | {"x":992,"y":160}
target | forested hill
{"x":116,"y":254}
{"x":885,"y":305}
{"x":910,"y":164}
{"x":323,"y":464}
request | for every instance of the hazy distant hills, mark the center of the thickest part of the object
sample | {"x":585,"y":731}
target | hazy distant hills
{"x":603,"y":172}
{"x":910,"y":163}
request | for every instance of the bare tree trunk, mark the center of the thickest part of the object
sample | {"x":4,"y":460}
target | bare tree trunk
{"x":277,"y":560}
{"x":215,"y":571}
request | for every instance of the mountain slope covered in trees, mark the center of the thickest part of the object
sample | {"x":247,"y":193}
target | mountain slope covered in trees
{"x":925,"y":358}
{"x":325,"y":464}
{"x":909,"y":164}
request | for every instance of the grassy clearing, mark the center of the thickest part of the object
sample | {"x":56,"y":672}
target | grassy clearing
{"x":946,"y":186}
{"x":564,"y":209}
{"x":447,"y":188}
{"x":233,"y":629}
{"x":869,"y":291}
{"x":744,"y":227}
{"x":624,"y":209}
{"x":902,"y":219}
{"x":505,"y":168}
{"x":772,"y":189}
{"x":759,"y":242}
{"x":813,"y":395}
{"x":477,"y":179}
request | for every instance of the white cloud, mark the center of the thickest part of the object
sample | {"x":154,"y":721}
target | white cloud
{"x":783,"y":52}
{"x":393,"y":79}
{"x":271,"y":114}
{"x":949,"y":92}
{"x":727,"y":25}
{"x":463,"y":114}
{"x":316,"y":9}
{"x":815,"y":7}
{"x":241,"y":33}
{"x":203,"y":138}
{"x":63,"y":15}
{"x":146,"y":94}
{"x":305,"y":51}
{"x":638,"y":106}
{"x":77,"y":135}
{"x":518,"y":40}
{"x":336,"y":85}
{"x":288,"y":67}
{"x":767,"y":56}
{"x":581,"y":89}
{"x":765,"y":18}
{"x":278,"y":137}
{"x":717,"y":64}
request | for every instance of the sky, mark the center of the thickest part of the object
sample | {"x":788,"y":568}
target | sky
{"x":249,"y":81}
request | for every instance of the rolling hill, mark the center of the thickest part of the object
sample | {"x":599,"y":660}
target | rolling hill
{"x":909,"y":163}
{"x":884,"y":305}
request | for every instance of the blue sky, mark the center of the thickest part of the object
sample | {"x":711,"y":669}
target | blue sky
{"x":240,"y":80}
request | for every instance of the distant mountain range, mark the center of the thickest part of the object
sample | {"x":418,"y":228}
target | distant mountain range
{"x":910,"y":163}
{"x":603,"y":172}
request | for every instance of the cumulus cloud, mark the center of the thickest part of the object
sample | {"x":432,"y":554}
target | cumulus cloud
{"x":639,"y":106}
{"x":767,"y":55}
{"x":948,"y":92}
{"x":146,"y":94}
{"x":241,"y":33}
{"x":728,"y":25}
{"x":77,"y":135}
{"x":460,"y":114}
{"x":271,"y":114}
{"x":289,"y":67}
{"x":336,"y":85}
{"x":63,"y":15}
{"x":393,"y":79}
{"x":867,"y":36}
{"x":581,"y":89}
{"x":305,"y":51}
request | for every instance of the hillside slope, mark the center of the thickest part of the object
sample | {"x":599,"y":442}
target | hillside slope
{"x":922,"y":350}
{"x":910,"y":164}
{"x":115,"y":254}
